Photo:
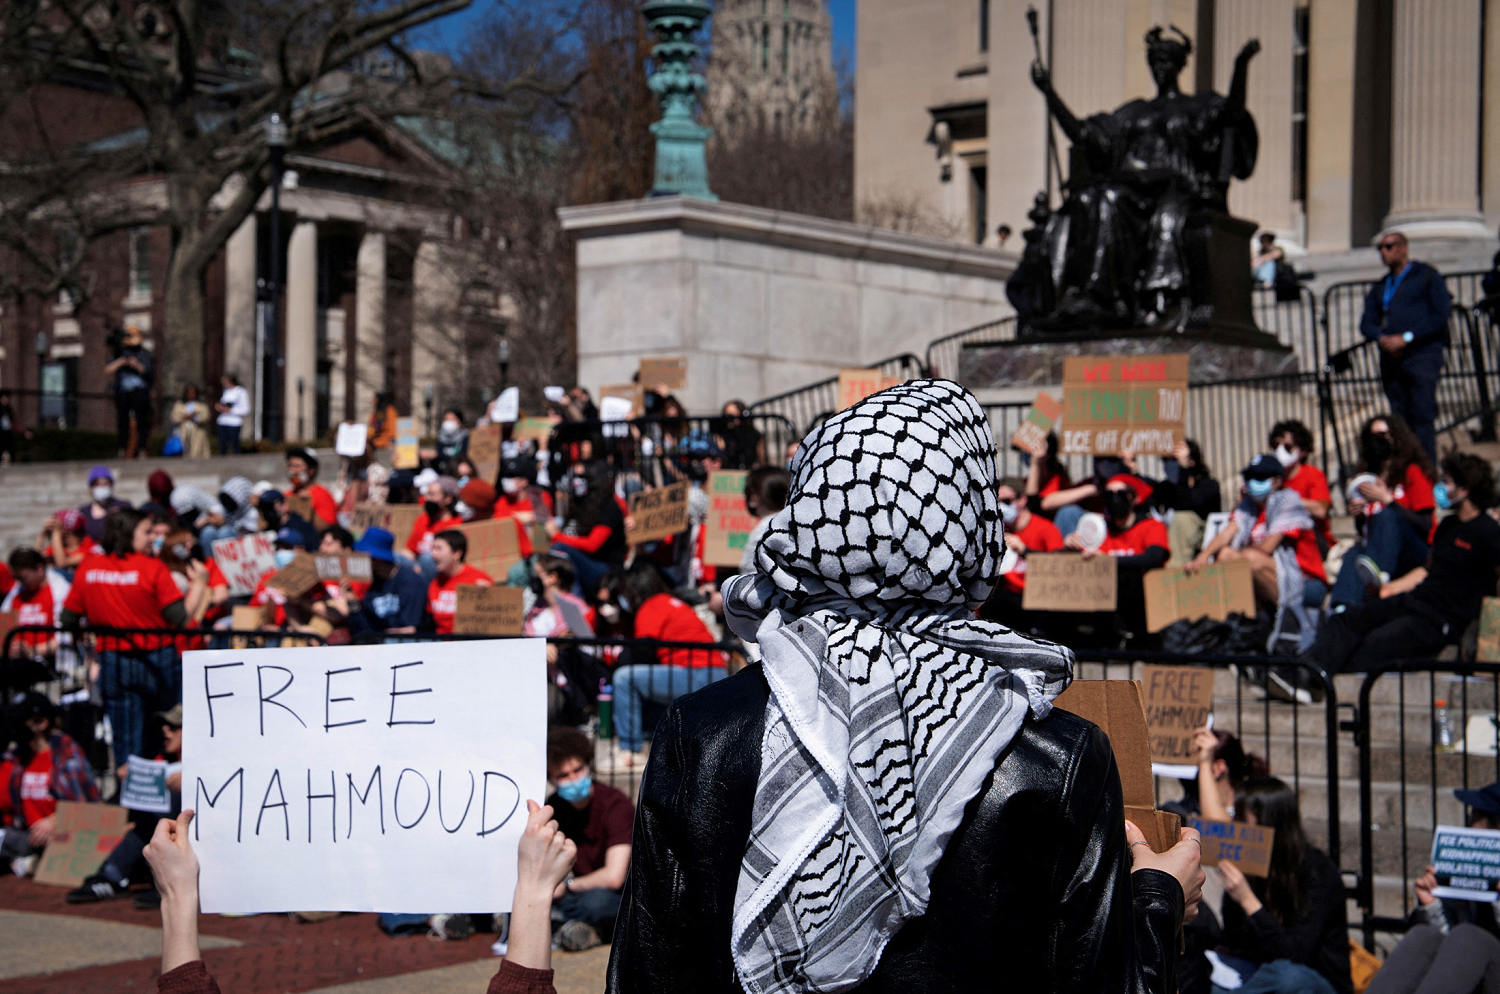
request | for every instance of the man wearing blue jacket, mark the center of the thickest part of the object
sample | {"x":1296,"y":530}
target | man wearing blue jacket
{"x":1406,"y":312}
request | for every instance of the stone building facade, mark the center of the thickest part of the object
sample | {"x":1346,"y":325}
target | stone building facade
{"x":1373,"y":114}
{"x":771,"y":67}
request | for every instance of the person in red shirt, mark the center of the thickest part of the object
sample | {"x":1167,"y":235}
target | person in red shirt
{"x":35,"y":599}
{"x":45,"y":767}
{"x":125,"y":588}
{"x":449,"y":549}
{"x":1025,"y":532}
{"x":438,"y":500}
{"x":302,"y":471}
{"x":1137,"y":541}
{"x":1394,"y":504}
{"x":660,"y":674}
{"x":1292,"y":444}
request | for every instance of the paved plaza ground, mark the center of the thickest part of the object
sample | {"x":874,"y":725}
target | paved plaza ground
{"x":56,"y":948}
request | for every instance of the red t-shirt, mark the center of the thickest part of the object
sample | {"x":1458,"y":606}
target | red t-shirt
{"x":668,"y":619}
{"x":35,"y":609}
{"x":504,"y":508}
{"x":1040,"y":535}
{"x":1415,"y":490}
{"x":423,"y":532}
{"x":1309,"y":483}
{"x":1137,"y":538}
{"x":323,"y":505}
{"x":124,"y":592}
{"x":37,"y":801}
{"x":1304,"y":542}
{"x":7,"y":579}
{"x":442,"y":595}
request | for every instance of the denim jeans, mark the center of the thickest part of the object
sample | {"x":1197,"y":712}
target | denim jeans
{"x":1067,"y":517}
{"x":1282,"y":976}
{"x":637,"y":683}
{"x":1395,"y":545}
{"x":598,"y":907}
{"x":134,"y":686}
{"x":588,"y":570}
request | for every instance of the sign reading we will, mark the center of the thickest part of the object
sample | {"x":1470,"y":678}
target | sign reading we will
{"x":374,"y":778}
{"x":1112,"y":404}
{"x":729,"y":519}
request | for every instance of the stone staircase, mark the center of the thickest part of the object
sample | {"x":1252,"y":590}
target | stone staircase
{"x":31,"y":492}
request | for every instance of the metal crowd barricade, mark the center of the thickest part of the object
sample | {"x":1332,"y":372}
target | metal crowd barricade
{"x":651,"y":448}
{"x":806,"y":406}
{"x":1406,"y":786}
{"x":1293,"y":322}
{"x":943,"y":353}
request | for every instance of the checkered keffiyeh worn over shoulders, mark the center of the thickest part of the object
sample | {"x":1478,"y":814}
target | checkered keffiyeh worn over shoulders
{"x":890,"y":702}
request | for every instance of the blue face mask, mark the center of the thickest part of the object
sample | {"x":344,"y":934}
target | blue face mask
{"x":157,"y":541}
{"x":574,"y":791}
{"x":1441,"y":498}
{"x":284,"y":557}
{"x":1259,"y":489}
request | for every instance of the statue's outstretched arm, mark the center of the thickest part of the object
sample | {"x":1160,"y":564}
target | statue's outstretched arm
{"x":1071,"y":126}
{"x":1237,"y":83}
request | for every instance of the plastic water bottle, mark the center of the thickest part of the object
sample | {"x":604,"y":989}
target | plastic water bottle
{"x":606,"y":709}
{"x":1442,"y":727}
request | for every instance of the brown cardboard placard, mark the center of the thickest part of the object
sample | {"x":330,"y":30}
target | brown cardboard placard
{"x":537,"y":430}
{"x":1116,"y":403}
{"x":302,"y":506}
{"x":857,"y":384}
{"x":729,"y":521}
{"x":1031,"y":436}
{"x":658,"y":514}
{"x":494,"y":546}
{"x":489,"y":611}
{"x":246,"y":619}
{"x":627,"y":391}
{"x":296,"y":577}
{"x":663,"y":371}
{"x":1179,"y":700}
{"x":1116,"y":707}
{"x":1065,"y":581}
{"x":1216,"y":591}
{"x":484,"y":450}
{"x":82,"y":836}
{"x":1246,"y":846}
{"x":332,"y":569}
{"x":1488,"y":650}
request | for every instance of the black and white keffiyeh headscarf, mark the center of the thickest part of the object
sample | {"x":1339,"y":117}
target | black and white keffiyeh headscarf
{"x":890,"y":702}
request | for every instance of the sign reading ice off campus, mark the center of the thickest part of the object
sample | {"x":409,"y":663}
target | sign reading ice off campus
{"x":1114,"y":404}
{"x":369,"y":778}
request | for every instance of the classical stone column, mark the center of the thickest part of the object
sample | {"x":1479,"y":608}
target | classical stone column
{"x":240,"y":272}
{"x":1266,"y":197}
{"x":1435,"y":119}
{"x":369,"y":321}
{"x":436,"y":352}
{"x":1333,"y":37}
{"x":300,"y":344}
{"x":1490,"y":133}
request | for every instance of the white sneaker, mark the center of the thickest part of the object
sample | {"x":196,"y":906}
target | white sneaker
{"x":620,"y":761}
{"x":22,"y":866}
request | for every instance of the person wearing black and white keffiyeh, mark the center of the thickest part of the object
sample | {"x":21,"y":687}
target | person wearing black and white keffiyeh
{"x":794,"y":819}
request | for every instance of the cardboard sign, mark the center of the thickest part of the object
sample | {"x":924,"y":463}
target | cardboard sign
{"x":1115,"y":706}
{"x":296,"y":577}
{"x":394,"y":518}
{"x":145,"y":786}
{"x":538,"y":430}
{"x":668,"y":372}
{"x":1031,"y":436}
{"x":729,"y":521}
{"x":1488,"y":650}
{"x":406,"y":456}
{"x":1115,"y":403}
{"x":493,"y":546}
{"x":1248,"y":847}
{"x":857,"y":384}
{"x":372,"y":777}
{"x":484,"y":450}
{"x":658,"y":514}
{"x":245,"y":560}
{"x":1179,"y":700}
{"x":82,"y":836}
{"x":1065,"y":581}
{"x":1215,"y":591}
{"x":351,"y":440}
{"x":332,"y":569}
{"x":1466,"y":862}
{"x":246,"y":619}
{"x":302,"y":506}
{"x":489,"y":611}
{"x":626,"y":392}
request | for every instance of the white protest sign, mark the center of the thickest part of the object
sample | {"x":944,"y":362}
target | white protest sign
{"x":145,"y":786}
{"x":507,"y":406}
{"x":374,"y":778}
{"x":245,"y":560}
{"x":350,"y":441}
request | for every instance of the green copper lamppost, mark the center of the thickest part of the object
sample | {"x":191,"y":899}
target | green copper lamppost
{"x":680,"y":163}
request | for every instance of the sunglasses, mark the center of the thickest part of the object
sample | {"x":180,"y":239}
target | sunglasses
{"x":1388,"y":246}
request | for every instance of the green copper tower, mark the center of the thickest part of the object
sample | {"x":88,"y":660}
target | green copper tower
{"x":681,"y":166}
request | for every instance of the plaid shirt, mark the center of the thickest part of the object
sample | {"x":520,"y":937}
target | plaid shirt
{"x":72,"y":777}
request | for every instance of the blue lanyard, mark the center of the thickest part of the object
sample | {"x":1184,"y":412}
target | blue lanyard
{"x":1391,"y":283}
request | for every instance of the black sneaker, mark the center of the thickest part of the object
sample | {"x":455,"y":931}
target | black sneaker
{"x":93,"y":889}
{"x":147,"y":900}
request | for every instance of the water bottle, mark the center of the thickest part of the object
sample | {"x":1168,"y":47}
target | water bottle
{"x":1442,"y":728}
{"x":606,"y":709}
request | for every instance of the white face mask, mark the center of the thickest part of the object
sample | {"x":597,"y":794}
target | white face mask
{"x":451,"y":426}
{"x":1287,"y":457}
{"x":511,"y":486}
{"x":463,"y":510}
{"x":102,"y":493}
{"x":1008,"y":513}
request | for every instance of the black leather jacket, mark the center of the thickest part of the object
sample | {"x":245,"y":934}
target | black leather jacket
{"x":1034,"y":892}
